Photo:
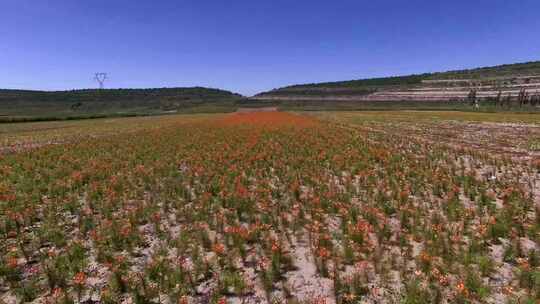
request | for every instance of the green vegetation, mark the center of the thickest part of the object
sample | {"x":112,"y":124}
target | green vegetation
{"x":24,"y":105}
{"x":504,"y":70}
{"x":372,"y":82}
{"x":19,"y":105}
{"x":484,"y":72}
{"x":504,"y":88}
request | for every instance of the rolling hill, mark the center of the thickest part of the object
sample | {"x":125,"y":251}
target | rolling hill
{"x":23,"y":104}
{"x":452,"y":86}
{"x":500,"y":86}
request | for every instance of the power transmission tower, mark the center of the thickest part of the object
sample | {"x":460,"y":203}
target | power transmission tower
{"x":100,"y":78}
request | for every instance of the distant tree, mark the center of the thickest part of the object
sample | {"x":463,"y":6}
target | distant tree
{"x":498,"y":99}
{"x":535,"y":99}
{"x":473,"y":100}
{"x":75,"y":106}
{"x":522,"y":97}
{"x":498,"y":87}
{"x":508,"y":100}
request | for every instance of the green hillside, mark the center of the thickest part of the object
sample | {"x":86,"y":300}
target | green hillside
{"x":506,"y":70}
{"x":365,"y":83}
{"x":22,"y":104}
{"x":506,"y":87}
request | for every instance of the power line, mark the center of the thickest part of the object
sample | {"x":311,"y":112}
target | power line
{"x":100,"y":78}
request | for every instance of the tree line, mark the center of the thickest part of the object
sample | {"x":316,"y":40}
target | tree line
{"x":524,"y":98}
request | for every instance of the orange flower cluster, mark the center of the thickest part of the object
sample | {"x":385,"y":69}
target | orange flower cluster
{"x":268,"y":119}
{"x":240,"y":231}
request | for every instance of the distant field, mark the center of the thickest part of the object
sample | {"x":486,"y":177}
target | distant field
{"x":514,"y":135}
{"x":21,"y":136}
{"x":272,"y":207}
{"x":433,"y":116}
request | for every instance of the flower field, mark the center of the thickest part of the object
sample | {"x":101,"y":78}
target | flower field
{"x":268,"y":207}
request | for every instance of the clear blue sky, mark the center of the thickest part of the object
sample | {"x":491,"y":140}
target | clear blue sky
{"x":249,"y":46}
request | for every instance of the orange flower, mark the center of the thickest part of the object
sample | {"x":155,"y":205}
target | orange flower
{"x":323,"y":253}
{"x":425,"y":256}
{"x":57,"y":292}
{"x":77,"y":176}
{"x":119,"y":259}
{"x":183,"y":300}
{"x":156,"y":217}
{"x":222,"y":301}
{"x":318,"y":300}
{"x":275,"y":247}
{"x":508,"y":290}
{"x":523,"y":263}
{"x":460,"y":287}
{"x":79,"y":279}
{"x":12,"y":262}
{"x":125,"y":231}
{"x":219,"y":249}
{"x":349,"y":297}
{"x":404,"y":194}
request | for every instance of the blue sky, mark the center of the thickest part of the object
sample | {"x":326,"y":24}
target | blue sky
{"x":249,"y":46}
